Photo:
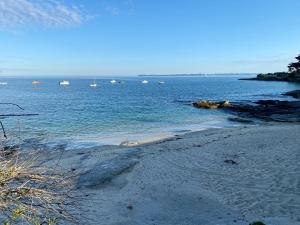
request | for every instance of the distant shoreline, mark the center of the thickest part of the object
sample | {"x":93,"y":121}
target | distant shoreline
{"x":197,"y":75}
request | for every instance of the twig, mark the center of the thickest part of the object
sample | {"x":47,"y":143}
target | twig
{"x":4,"y":133}
{"x":12,"y":104}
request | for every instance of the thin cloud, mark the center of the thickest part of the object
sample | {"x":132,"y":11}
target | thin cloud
{"x":124,"y":7}
{"x":129,"y":3}
{"x":50,"y":13}
{"x":114,"y":11}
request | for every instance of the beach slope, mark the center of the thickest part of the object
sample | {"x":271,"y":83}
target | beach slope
{"x":215,"y":177}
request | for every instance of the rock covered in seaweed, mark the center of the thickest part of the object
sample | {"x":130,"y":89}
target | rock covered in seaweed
{"x":268,"y":110}
{"x":211,"y":105}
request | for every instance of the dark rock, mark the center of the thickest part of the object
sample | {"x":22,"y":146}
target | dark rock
{"x":239,"y":120}
{"x":211,"y":105}
{"x":257,"y":223}
{"x":295,"y":94}
{"x":130,"y":207}
{"x":80,"y":153}
{"x":230,"y":161}
{"x":8,"y":151}
{"x":267,"y":110}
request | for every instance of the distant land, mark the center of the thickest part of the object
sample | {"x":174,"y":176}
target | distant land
{"x":293,"y":74}
{"x":197,"y":74}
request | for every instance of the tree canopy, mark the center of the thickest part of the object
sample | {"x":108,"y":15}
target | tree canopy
{"x":294,"y":67}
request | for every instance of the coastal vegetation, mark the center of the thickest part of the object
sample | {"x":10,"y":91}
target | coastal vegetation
{"x":30,"y":192}
{"x":294,"y":67}
{"x":292,"y":75}
{"x":267,"y":110}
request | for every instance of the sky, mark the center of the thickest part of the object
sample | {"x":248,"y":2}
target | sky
{"x":131,"y":37}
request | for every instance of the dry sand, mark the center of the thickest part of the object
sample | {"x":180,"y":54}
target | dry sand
{"x":186,"y":180}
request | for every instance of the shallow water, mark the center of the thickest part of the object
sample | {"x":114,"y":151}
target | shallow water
{"x":78,"y":115}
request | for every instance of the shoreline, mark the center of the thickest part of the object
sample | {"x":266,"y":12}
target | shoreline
{"x":234,"y":175}
{"x":132,"y":139}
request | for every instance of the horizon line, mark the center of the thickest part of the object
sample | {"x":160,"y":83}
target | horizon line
{"x":123,"y":75}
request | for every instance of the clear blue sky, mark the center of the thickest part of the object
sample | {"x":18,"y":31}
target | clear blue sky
{"x":127,"y":37}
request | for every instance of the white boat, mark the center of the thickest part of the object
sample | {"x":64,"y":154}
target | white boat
{"x":161,"y":82}
{"x":64,"y":82}
{"x":93,"y":85}
{"x":145,"y":82}
{"x":3,"y":83}
{"x":113,"y":81}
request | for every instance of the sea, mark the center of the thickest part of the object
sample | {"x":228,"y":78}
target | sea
{"x":78,"y":116}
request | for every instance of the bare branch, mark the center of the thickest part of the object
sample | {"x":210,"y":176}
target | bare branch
{"x":13,"y":105}
{"x":4,"y":133}
{"x":14,"y":115}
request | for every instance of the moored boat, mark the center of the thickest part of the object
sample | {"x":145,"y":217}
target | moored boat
{"x":64,"y":82}
{"x":93,"y":85}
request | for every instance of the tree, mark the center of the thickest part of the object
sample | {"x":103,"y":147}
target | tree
{"x":295,"y":66}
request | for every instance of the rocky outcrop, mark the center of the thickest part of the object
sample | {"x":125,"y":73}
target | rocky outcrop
{"x":211,"y":105}
{"x":280,"y":76}
{"x":239,"y":120}
{"x":268,"y":110}
{"x":295,"y":94}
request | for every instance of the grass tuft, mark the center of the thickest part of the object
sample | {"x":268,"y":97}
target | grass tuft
{"x":31,"y":193}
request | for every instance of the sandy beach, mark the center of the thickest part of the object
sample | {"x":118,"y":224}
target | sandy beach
{"x":136,"y":112}
{"x":215,"y":177}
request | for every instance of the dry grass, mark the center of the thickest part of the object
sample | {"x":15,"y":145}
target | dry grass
{"x":31,"y":193}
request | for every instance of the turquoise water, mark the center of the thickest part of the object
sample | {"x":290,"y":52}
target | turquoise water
{"x":78,"y":115}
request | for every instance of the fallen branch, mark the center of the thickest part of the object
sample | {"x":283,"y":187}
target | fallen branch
{"x":12,"y":114}
{"x":2,"y":116}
